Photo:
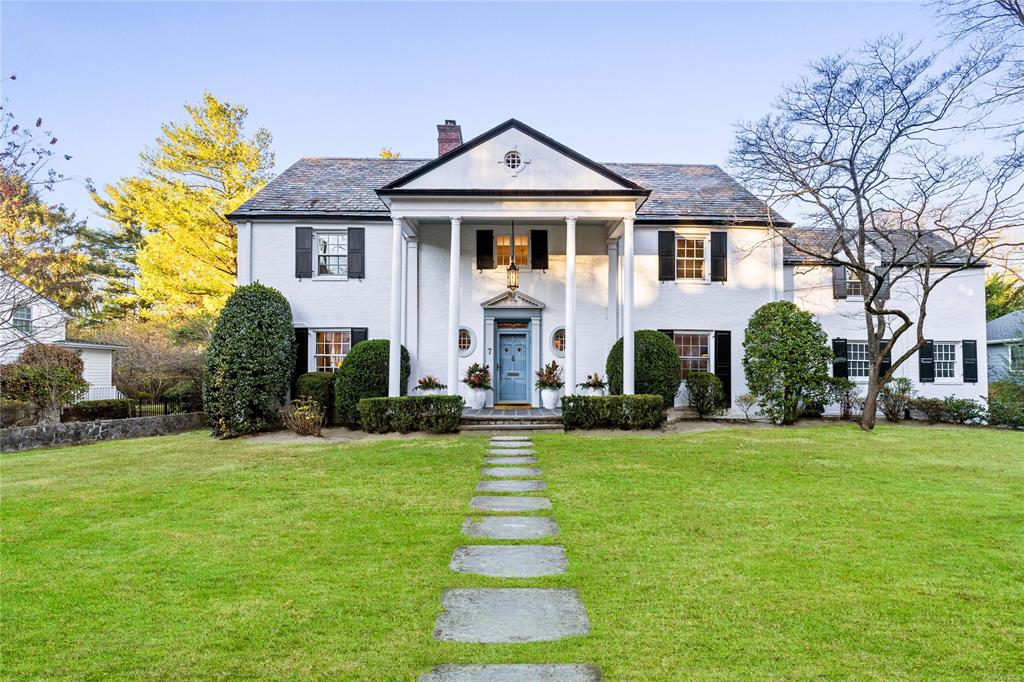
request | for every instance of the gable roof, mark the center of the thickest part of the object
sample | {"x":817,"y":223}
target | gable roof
{"x":395,"y":185}
{"x":906,"y":243}
{"x":1009,"y":327}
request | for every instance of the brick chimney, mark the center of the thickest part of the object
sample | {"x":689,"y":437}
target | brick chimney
{"x":449,"y":136}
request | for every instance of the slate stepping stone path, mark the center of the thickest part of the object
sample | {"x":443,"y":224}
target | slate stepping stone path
{"x":517,"y":613}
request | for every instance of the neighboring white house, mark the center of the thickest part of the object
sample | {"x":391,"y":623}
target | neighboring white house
{"x":419,"y":250}
{"x":27,"y":317}
{"x":1006,"y":345}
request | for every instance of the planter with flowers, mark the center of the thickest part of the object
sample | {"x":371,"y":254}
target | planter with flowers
{"x":593,"y":386}
{"x":549,"y":381}
{"x":478,"y":379}
{"x":430,"y":385}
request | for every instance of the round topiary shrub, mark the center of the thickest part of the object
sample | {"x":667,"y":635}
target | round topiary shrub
{"x":786,"y":360}
{"x":656,"y":369}
{"x":249,"y":362}
{"x":364,"y":374}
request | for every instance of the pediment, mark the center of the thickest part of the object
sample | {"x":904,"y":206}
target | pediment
{"x":512,"y":157}
{"x":512,"y":300}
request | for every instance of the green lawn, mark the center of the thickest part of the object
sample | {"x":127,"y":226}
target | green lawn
{"x":739,"y":554}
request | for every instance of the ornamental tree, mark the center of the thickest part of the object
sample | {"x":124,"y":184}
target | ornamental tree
{"x":49,"y":377}
{"x":785,"y":359}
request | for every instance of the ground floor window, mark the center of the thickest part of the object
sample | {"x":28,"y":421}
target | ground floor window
{"x":858,"y":362}
{"x":331,"y":349}
{"x":1017,"y":358}
{"x":945,"y":360}
{"x":465,"y":341}
{"x":558,"y":341}
{"x":694,"y":355}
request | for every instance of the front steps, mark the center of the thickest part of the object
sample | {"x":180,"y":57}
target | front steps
{"x":511,"y":419}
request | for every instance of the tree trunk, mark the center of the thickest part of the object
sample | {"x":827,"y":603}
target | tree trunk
{"x":49,"y":414}
{"x":868,"y":416}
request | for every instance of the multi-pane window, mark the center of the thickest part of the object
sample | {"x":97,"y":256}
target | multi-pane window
{"x":858,"y":362}
{"x":504,"y":249}
{"x":331,"y":349}
{"x":1017,"y":358}
{"x":558,"y":341}
{"x":22,"y":319}
{"x":465,"y":340}
{"x":854,"y":287}
{"x":693,"y":352}
{"x":332,"y":254}
{"x":689,"y":258}
{"x":945,"y":360}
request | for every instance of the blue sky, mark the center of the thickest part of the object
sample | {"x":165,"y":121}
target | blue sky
{"x":617,"y":82}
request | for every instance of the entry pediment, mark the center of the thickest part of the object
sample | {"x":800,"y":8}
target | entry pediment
{"x":512,"y":300}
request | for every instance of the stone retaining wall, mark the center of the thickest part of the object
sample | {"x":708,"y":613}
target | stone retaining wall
{"x":73,"y":433}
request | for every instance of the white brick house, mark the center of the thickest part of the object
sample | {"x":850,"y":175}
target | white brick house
{"x":418,"y":250}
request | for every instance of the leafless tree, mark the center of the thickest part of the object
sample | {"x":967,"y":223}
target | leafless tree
{"x":865,"y":148}
{"x":16,"y":299}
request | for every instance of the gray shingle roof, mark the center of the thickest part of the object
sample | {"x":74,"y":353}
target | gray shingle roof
{"x":1009,"y":326}
{"x":315,"y":186}
{"x":904,"y":242}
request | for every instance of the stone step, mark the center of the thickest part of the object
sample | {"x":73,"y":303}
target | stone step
{"x":509,"y":504}
{"x":510,"y":472}
{"x":491,"y":461}
{"x":504,"y":426}
{"x":511,"y":486}
{"x":510,"y":614}
{"x":510,"y":561}
{"x":511,"y":527}
{"x":510,"y":439}
{"x":513,"y":452}
{"x":513,"y":672}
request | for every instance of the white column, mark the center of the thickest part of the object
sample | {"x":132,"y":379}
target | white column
{"x":454,"y":285}
{"x":570,"y":306}
{"x":628,"y":340}
{"x":411,"y":332}
{"x":405,"y":292}
{"x":613,"y":292}
{"x":395,"y":337}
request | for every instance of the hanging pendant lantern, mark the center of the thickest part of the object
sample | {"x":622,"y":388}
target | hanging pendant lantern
{"x":512,"y":272}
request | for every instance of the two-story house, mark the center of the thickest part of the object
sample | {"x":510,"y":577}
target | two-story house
{"x":513,"y":250}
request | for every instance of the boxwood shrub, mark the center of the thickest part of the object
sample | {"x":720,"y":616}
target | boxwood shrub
{"x":249,"y":362}
{"x":92,"y":410}
{"x":704,"y":393}
{"x":320,"y":387}
{"x":612,"y":412}
{"x":432,"y":413}
{"x":656,"y":369}
{"x":364,"y":374}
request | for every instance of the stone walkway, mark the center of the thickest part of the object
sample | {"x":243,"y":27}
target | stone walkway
{"x":501,"y":615}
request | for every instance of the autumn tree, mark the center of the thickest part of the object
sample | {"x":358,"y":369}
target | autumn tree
{"x":865,"y":147}
{"x":198,"y":172}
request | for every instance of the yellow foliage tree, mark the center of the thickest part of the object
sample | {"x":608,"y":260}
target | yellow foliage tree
{"x":198,"y":172}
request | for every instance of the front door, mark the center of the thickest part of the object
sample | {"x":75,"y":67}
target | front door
{"x":513,"y":366}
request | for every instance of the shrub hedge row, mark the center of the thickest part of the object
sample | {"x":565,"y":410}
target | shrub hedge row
{"x":320,"y":387}
{"x":16,"y":413}
{"x":612,"y":412}
{"x":431,"y":413}
{"x":92,"y":410}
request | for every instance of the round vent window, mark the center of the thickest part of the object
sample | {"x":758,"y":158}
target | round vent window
{"x":513,"y":160}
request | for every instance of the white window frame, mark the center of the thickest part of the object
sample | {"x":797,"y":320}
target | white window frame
{"x":853,"y":280}
{"x":17,"y":321}
{"x":849,"y":362}
{"x":957,"y":377}
{"x":1019,"y":348}
{"x":696,"y":237}
{"x":711,"y":349}
{"x":525,"y":234}
{"x":551,"y":342}
{"x":312,"y":355}
{"x":328,"y":231}
{"x":472,"y":342}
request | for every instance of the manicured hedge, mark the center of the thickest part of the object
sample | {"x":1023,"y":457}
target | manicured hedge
{"x":364,"y":374}
{"x":16,"y":413}
{"x":432,"y":413}
{"x":656,"y":370}
{"x":93,"y":410}
{"x":320,"y":387}
{"x":612,"y":412}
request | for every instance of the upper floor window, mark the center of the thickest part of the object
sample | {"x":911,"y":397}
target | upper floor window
{"x":854,"y":287}
{"x":331,"y":349}
{"x":503,"y":249}
{"x":332,"y":254}
{"x":945,"y":360}
{"x":858,"y":362}
{"x":22,"y":319}
{"x":694,"y":355}
{"x":690,"y":258}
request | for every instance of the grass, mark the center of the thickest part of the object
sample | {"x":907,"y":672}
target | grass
{"x":742,"y":554}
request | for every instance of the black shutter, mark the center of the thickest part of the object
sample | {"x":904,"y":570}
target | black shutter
{"x":301,"y":356}
{"x":926,"y":362}
{"x":970,"y":348}
{"x":671,"y":333}
{"x":666,"y":255}
{"x":723,"y":362}
{"x":357,"y":252}
{"x":358,"y":334}
{"x":539,"y":249}
{"x":887,"y":360}
{"x":719,"y":256}
{"x":838,"y":281}
{"x":485,"y":249}
{"x":882,"y":295}
{"x":840,"y":368}
{"x":303,"y":251}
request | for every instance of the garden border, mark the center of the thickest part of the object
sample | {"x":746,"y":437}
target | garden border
{"x":18,"y":438}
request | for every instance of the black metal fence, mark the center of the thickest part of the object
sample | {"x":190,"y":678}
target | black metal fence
{"x":145,"y":407}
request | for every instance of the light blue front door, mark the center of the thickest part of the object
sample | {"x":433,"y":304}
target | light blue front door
{"x":513,"y":366}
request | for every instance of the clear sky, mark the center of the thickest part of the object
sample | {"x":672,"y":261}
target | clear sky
{"x":617,"y":82}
